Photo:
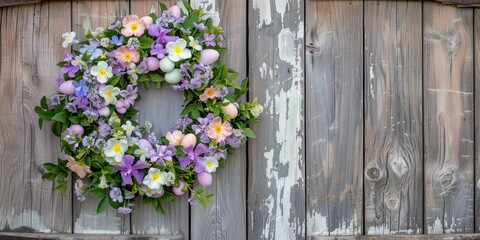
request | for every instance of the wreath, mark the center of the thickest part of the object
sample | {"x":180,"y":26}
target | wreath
{"x":117,"y":159}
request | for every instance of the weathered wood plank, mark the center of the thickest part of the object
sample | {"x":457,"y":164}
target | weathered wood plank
{"x":393,"y":117}
{"x":225,"y":216}
{"x":334,"y":119}
{"x":404,"y":237}
{"x":26,"y":236}
{"x":28,"y":55}
{"x":162,"y":107}
{"x":476,"y":41}
{"x":4,"y":3}
{"x":276,"y":190}
{"x":88,"y":15}
{"x":448,"y":113}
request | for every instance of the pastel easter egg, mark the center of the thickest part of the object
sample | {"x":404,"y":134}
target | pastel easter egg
{"x":166,"y":65}
{"x":230,"y":110}
{"x":209,"y":56}
{"x":67,"y":88}
{"x":173,"y":77}
{"x":121,"y":110}
{"x":119,"y":104}
{"x":77,"y":129}
{"x":176,"y":12}
{"x":152,"y":64}
{"x":145,"y":143}
{"x":178,"y":190}
{"x":204,"y":178}
{"x":189,"y":140}
{"x":104,"y":112}
{"x":147,"y":20}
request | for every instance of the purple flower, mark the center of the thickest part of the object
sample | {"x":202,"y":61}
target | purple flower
{"x":71,"y":107}
{"x":58,"y":80}
{"x":199,"y":26}
{"x":130,"y":94}
{"x":128,"y":169}
{"x":115,"y":25}
{"x":124,"y":210}
{"x":80,"y":88}
{"x":182,"y":123}
{"x":71,"y":70}
{"x":92,"y":50}
{"x":193,"y":201}
{"x":161,"y":154}
{"x":209,"y":39}
{"x":68,"y":57}
{"x":103,"y":129}
{"x":158,"y":50}
{"x":167,"y":17}
{"x":200,"y":128}
{"x":117,"y":40}
{"x":193,"y":156}
{"x":91,"y":113}
{"x":81,"y":102}
{"x":116,"y":194}
{"x":88,"y":141}
{"x":53,"y":100}
{"x":79,"y":195}
{"x":156,"y":30}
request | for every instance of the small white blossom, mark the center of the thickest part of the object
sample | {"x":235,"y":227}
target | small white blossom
{"x":104,"y":42}
{"x":103,"y":182}
{"x":256,"y":110}
{"x":194,"y":44}
{"x":211,"y":164}
{"x":69,"y":39}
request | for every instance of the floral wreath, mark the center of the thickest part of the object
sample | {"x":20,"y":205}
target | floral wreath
{"x":114,"y":157}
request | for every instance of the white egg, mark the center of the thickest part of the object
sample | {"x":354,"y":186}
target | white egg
{"x":166,"y":65}
{"x":209,"y":56}
{"x":189,"y":140}
{"x":173,"y":77}
{"x":230,"y":110}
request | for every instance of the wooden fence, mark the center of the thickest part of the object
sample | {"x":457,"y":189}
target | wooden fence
{"x":369,"y":125}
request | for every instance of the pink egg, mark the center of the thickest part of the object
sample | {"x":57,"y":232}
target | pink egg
{"x":77,"y":129}
{"x":147,"y":20}
{"x":104,"y":112}
{"x":176,"y":12}
{"x":189,"y":140}
{"x":67,"y":88}
{"x":145,"y":143}
{"x":153,"y":64}
{"x":178,"y":190}
{"x":230,"y":110}
{"x":209,"y":56}
{"x":204,"y":178}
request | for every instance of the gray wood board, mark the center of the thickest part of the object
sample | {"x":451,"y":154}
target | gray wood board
{"x":28,"y":56}
{"x":276,"y":170}
{"x":449,"y":120}
{"x":393,"y":117}
{"x":476,"y":45}
{"x":334,"y":117}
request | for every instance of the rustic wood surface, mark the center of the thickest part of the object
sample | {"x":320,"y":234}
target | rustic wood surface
{"x":229,"y":187}
{"x":27,"y":236}
{"x":476,"y":45}
{"x":334,"y":117}
{"x":88,"y":15}
{"x":393,"y":117}
{"x":449,"y":119}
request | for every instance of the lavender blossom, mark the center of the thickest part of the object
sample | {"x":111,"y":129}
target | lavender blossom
{"x":116,"y":194}
{"x":124,"y":210}
{"x":209,"y":39}
{"x":182,"y":123}
{"x":160,"y":154}
{"x":192,"y":155}
{"x":103,"y":129}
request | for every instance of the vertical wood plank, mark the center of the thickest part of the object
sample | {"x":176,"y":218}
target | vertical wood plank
{"x":162,"y":107}
{"x":28,"y":50}
{"x":334,"y":119}
{"x":476,"y":45}
{"x":276,"y":191}
{"x":393,"y":117}
{"x":225,"y":216}
{"x":88,"y":15}
{"x":449,"y":140}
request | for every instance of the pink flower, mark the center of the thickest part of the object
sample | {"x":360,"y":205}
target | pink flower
{"x":132,"y":25}
{"x":77,"y":167}
{"x":174,"y":138}
{"x":209,"y":93}
{"x":125,"y":55}
{"x":217,"y":130}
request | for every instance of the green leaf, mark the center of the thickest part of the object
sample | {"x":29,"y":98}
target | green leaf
{"x":40,"y":123}
{"x":158,"y":206}
{"x":109,"y":169}
{"x":187,"y":6}
{"x":114,"y":80}
{"x":147,"y":200}
{"x":102,"y":205}
{"x":155,"y":77}
{"x":49,"y":166}
{"x":74,"y":119}
{"x":248,"y":132}
{"x":142,"y":78}
{"x":231,"y":78}
{"x":130,"y":112}
{"x":189,"y":20}
{"x":98,"y":192}
{"x":49,"y":176}
{"x":163,"y":6}
{"x":57,"y":129}
{"x":145,"y":42}
{"x":60,"y":117}
{"x":167,"y":197}
{"x":46,"y":115}
{"x":43,"y":103}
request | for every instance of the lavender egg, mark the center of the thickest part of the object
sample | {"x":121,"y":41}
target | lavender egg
{"x":152,"y":64}
{"x":173,"y":77}
{"x":67,"y":88}
{"x":104,"y":112}
{"x":175,"y":11}
{"x":204,"y":178}
{"x":77,"y":129}
{"x":209,"y":56}
{"x":144,"y":143}
{"x":179,"y":190}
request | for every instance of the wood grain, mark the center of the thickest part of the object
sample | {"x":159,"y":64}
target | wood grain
{"x":334,"y":117}
{"x":449,"y":119}
{"x":28,"y":203}
{"x":393,"y":117}
{"x":476,"y":52}
{"x":225,"y":216}
{"x":88,"y":15}
{"x":276,"y":170}
{"x":162,"y":107}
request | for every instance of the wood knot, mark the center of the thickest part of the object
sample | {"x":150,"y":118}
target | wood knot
{"x":392,"y":204}
{"x":374,"y":174}
{"x":447,"y":180}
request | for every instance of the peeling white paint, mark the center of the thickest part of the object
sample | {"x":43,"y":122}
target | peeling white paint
{"x":210,"y":10}
{"x":449,"y":91}
{"x":94,"y":223}
{"x":265,"y":14}
{"x":28,"y":218}
{"x":317,"y":221}
{"x":152,"y":229}
{"x":372,"y":78}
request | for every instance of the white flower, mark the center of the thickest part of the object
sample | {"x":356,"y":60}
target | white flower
{"x":177,"y":51}
{"x":143,"y":152}
{"x":102,"y":71}
{"x":133,"y":72}
{"x":156,"y":178}
{"x":194,"y":44}
{"x":103,"y":182}
{"x":109,"y":93}
{"x":104,"y":42}
{"x":256,"y":111}
{"x":115,"y":150}
{"x":79,"y":186}
{"x":211,"y":164}
{"x":98,"y":31}
{"x":129,"y":128}
{"x":69,"y":39}
{"x":78,"y":61}
{"x":153,"y":193}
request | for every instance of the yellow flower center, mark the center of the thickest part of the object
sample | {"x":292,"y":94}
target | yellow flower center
{"x":177,"y":140}
{"x":155,"y":177}
{"x":102,"y":72}
{"x":134,"y":26}
{"x":194,"y":44}
{"x":142,"y":152}
{"x":209,"y":164}
{"x":129,"y":128}
{"x":177,"y":50}
{"x":218,"y":129}
{"x":117,"y":148}
{"x":79,"y":62}
{"x":69,"y":39}
{"x":127,"y":56}
{"x":79,"y":164}
{"x":210,"y":92}
{"x":134,"y":71}
{"x":109,"y":94}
